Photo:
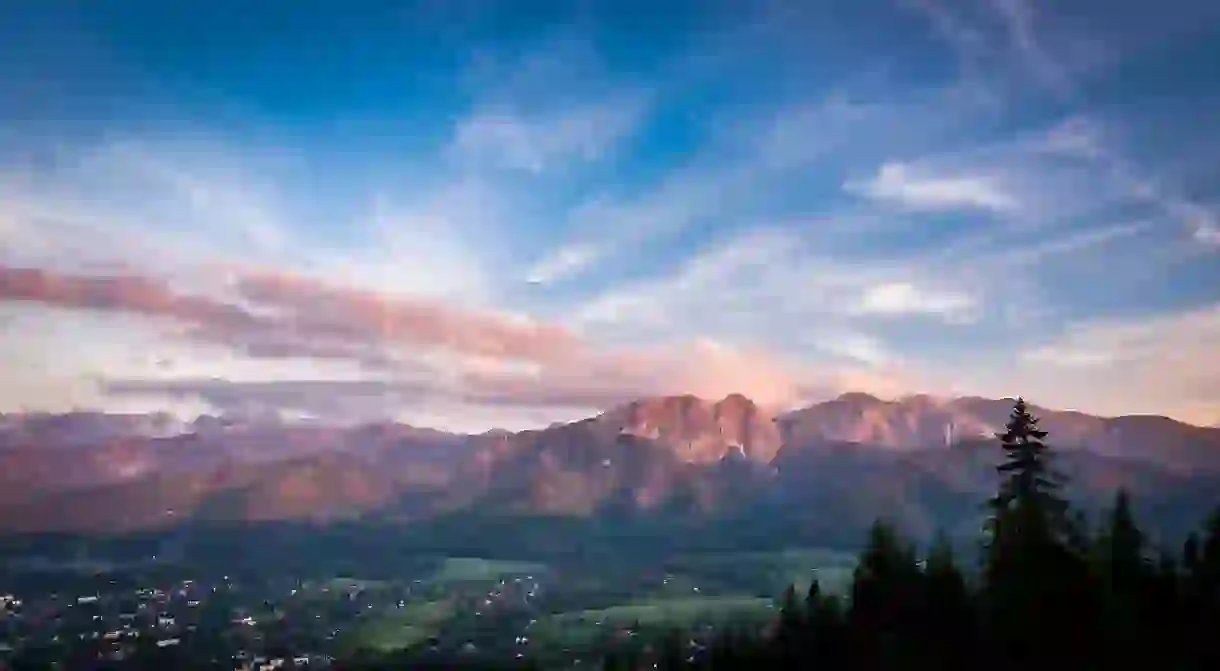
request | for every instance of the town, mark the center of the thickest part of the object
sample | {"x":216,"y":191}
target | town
{"x":471,"y":608}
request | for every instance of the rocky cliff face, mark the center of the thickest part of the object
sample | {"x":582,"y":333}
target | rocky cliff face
{"x":700,"y":431}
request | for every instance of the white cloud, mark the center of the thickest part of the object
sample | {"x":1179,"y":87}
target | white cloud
{"x":506,"y":138}
{"x":904,"y":298}
{"x":742,"y":162}
{"x":859,"y":347}
{"x":901,"y":184}
{"x":1208,"y":234}
{"x":562,"y":263}
{"x":1077,"y":137}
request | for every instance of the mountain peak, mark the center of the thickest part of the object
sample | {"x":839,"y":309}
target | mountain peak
{"x":736,"y":398}
{"x":698,"y":429}
{"x":858,"y":398}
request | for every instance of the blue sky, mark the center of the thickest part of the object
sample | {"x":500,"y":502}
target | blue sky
{"x":473,"y":214}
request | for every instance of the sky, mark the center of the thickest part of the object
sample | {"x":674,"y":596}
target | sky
{"x":470,"y":214}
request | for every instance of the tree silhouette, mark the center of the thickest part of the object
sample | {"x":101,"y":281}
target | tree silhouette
{"x":885,"y":589}
{"x":948,"y":628}
{"x":1028,"y":503}
{"x":1039,"y":589}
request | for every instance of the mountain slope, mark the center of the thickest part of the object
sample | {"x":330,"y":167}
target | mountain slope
{"x":922,"y":461}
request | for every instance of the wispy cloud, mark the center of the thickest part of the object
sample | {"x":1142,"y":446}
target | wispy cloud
{"x":898,"y":183}
{"x":1166,"y":356}
{"x":742,"y":162}
{"x":580,"y":223}
{"x":1015,"y":43}
{"x":505,"y":138}
{"x":904,"y":298}
{"x":561,"y":263}
{"x":494,"y":359}
{"x":296,"y":310}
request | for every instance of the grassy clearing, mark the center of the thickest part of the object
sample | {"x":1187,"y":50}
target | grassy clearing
{"x":403,"y":627}
{"x":386,"y":637}
{"x":469,"y":569}
{"x":582,"y":628}
{"x":677,"y":611}
{"x":798,"y":566}
{"x":349,"y":584}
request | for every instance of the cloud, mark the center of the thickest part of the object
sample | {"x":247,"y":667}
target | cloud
{"x":707,"y":222}
{"x":900,"y":184}
{"x":268,"y":317}
{"x":504,"y":138}
{"x":313,"y":314}
{"x":1203,"y":223}
{"x":744,"y":161}
{"x":138,"y":295}
{"x":1168,"y":360}
{"x":334,"y":312}
{"x":551,"y":106}
{"x":332,"y":401}
{"x":1077,"y":137}
{"x":1082,"y":138}
{"x":904,"y":298}
{"x":1018,"y":17}
{"x":1012,"y":44}
{"x":562,"y":263}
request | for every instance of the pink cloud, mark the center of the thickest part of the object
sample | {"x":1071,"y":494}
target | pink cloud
{"x":123,"y":293}
{"x":281,"y":316}
{"x":314,"y":307}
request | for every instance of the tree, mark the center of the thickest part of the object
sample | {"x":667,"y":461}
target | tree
{"x":1028,"y":505}
{"x":1123,"y":550}
{"x":885,"y":590}
{"x":1127,"y":580}
{"x":1040,"y":590}
{"x":790,"y":629}
{"x":948,"y":618}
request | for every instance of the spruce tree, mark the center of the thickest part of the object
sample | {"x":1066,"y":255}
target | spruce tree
{"x":947,"y":619}
{"x":791,"y":626}
{"x":885,"y":591}
{"x":1028,"y":503}
{"x":1126,"y":583}
{"x":1039,"y":588}
{"x":1123,"y":549}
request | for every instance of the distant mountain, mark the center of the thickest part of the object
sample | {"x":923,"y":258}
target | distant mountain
{"x":917,"y":422}
{"x":824,"y":470}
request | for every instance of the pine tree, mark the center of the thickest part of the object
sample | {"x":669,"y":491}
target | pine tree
{"x":1127,"y":585}
{"x":948,"y":618}
{"x":791,"y":626}
{"x":885,"y":591}
{"x":1209,"y":559}
{"x":1123,"y":549}
{"x":1207,"y":582}
{"x":1028,"y":503}
{"x":1039,"y":588}
{"x":813,"y":597}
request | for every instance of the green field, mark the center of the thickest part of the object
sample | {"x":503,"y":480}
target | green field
{"x":402,"y":627}
{"x":471,"y":569}
{"x":585,"y":627}
{"x":777,"y":570}
{"x":349,"y":584}
{"x":675,"y":611}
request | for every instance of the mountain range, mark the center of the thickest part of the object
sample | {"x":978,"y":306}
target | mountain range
{"x":826,"y":470}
